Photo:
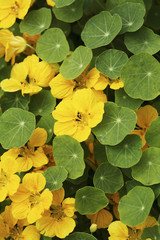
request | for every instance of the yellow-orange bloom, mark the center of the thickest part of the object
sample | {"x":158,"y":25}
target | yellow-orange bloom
{"x":118,"y":231}
{"x":28,"y":76}
{"x":12,"y":45}
{"x":78,"y":115}
{"x":50,"y":3}
{"x":9,"y":181}
{"x":31,"y":155}
{"x":115,"y":83}
{"x":28,"y":202}
{"x":58,"y":221}
{"x":102,"y":218}
{"x":12,"y":9}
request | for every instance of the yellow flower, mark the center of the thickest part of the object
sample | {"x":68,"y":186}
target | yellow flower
{"x":78,"y":115}
{"x":31,"y":155}
{"x":9,"y":181}
{"x":118,"y":231}
{"x":28,"y":76}
{"x":59,"y":220}
{"x":50,"y":3}
{"x":12,"y":9}
{"x":13,"y":45}
{"x":115,"y":83}
{"x":62,"y":88}
{"x":28,"y":202}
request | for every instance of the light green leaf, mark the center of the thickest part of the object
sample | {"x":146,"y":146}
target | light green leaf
{"x":52,"y":46}
{"x":116,"y":124}
{"x":80,"y":236}
{"x":47,"y":122}
{"x":136,"y":205}
{"x":108,"y":178}
{"x":147,"y":171}
{"x":123,"y":100}
{"x":55,"y":176}
{"x":151,"y":233}
{"x":16,"y":127}
{"x":153,"y":134}
{"x":141,"y":77}
{"x":42,"y":103}
{"x":132,"y":16}
{"x":127,"y":153}
{"x":89,"y":200}
{"x":75,"y":64}
{"x":36,"y":21}
{"x":110,"y":4}
{"x":101,"y":29}
{"x":144,"y":40}
{"x":110,"y":62}
{"x":63,"y":3}
{"x":70,"y":13}
{"x":9,"y":100}
{"x":68,"y":153}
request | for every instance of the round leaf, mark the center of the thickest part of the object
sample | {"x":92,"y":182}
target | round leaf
{"x":89,"y":200}
{"x":132,"y":16}
{"x":70,"y":13}
{"x":16,"y":127}
{"x":80,"y":236}
{"x":153,"y":134}
{"x":36,"y":21}
{"x":123,"y":100}
{"x":68,"y":153}
{"x":147,"y":171}
{"x":116,"y":124}
{"x":141,"y":77}
{"x":151,"y":233}
{"x":127,"y":153}
{"x":55,"y":176}
{"x":52,"y":46}
{"x":62,"y":3}
{"x":144,"y":40}
{"x":42,"y":103}
{"x":101,"y":29}
{"x":110,"y":62}
{"x":75,"y":64}
{"x":136,"y":205}
{"x":108,"y":178}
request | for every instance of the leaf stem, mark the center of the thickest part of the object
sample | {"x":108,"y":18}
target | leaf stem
{"x":100,"y":4}
{"x":28,"y":45}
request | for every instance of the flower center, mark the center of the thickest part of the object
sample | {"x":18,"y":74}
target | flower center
{"x":15,"y":8}
{"x":3,"y":179}
{"x":57,"y":212}
{"x":81,"y":119}
{"x":15,"y":233}
{"x":34,"y":199}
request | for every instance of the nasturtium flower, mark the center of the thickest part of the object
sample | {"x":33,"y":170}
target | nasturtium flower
{"x":12,"y":45}
{"x":28,"y":76}
{"x":31,"y":155}
{"x":29,"y":202}
{"x":32,"y":41}
{"x":50,"y":3}
{"x":58,"y":221}
{"x":62,"y":88}
{"x":115,"y":83}
{"x":9,"y":181}
{"x":76,"y":116}
{"x":12,"y":9}
{"x":14,"y":229}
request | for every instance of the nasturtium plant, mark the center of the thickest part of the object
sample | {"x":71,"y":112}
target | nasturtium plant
{"x":153,"y":134}
{"x":80,"y":236}
{"x":63,"y":3}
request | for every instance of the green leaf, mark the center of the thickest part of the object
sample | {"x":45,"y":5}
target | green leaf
{"x":110,"y":62}
{"x":144,"y":40}
{"x":80,"y":236}
{"x":101,"y":29}
{"x":75,"y":64}
{"x":151,"y":233}
{"x":136,"y":205}
{"x":70,"y":13}
{"x":153,"y":17}
{"x":110,"y":4}
{"x":55,"y":176}
{"x":9,"y":100}
{"x":123,"y":100}
{"x":52,"y":46}
{"x":100,"y":153}
{"x":36,"y":21}
{"x":153,"y":134}
{"x":132,"y":16}
{"x":116,"y":124}
{"x":89,"y":200}
{"x":47,"y":122}
{"x":147,"y":171}
{"x":108,"y":178}
{"x":141,"y":77}
{"x":42,"y":103}
{"x":2,"y":63}
{"x":68,"y":153}
{"x":127,"y":153}
{"x":16,"y":127}
{"x":63,"y":3}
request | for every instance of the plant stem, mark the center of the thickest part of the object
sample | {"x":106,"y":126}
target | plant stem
{"x":28,"y":45}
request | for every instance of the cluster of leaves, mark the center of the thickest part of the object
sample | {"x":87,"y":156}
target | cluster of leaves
{"x":120,"y":38}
